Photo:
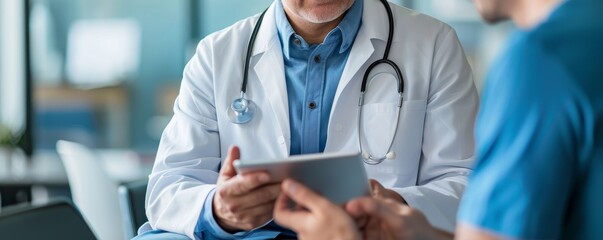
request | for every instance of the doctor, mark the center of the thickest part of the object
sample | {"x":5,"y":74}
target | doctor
{"x":306,"y":68}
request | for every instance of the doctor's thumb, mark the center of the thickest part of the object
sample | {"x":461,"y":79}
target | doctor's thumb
{"x":376,"y":188}
{"x":228,"y":169}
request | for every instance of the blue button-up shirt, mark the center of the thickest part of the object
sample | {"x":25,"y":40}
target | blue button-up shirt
{"x":312,"y":73}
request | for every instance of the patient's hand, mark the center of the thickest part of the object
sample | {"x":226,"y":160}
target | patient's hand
{"x":388,"y":219}
{"x":315,"y":217}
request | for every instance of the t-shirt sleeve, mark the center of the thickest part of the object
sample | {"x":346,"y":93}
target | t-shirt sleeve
{"x":525,"y":147}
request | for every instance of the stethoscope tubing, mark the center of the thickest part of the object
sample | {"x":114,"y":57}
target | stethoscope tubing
{"x":369,"y":159}
{"x":254,"y":35}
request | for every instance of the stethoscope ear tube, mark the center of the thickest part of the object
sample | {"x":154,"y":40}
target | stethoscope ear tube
{"x":367,"y":157}
{"x":388,"y":62}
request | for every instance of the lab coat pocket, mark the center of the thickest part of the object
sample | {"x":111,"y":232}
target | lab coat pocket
{"x":379,"y":121}
{"x":379,"y":128}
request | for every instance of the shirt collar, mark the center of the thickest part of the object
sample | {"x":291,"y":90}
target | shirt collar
{"x":348,"y":26}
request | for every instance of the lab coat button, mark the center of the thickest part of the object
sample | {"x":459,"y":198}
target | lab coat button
{"x":281,"y":140}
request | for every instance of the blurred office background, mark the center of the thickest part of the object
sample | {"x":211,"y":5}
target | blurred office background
{"x":105,"y":74}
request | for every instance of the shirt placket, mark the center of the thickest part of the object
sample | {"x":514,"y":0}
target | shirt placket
{"x":315,"y":84}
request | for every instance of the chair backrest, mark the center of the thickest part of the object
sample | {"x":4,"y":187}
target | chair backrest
{"x":131,"y":199}
{"x":55,"y":220}
{"x":93,"y":191}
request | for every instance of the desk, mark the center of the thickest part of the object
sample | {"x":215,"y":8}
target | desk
{"x":45,"y":170}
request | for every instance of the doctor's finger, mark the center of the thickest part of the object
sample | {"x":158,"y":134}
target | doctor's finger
{"x":244,"y":184}
{"x":256,"y":216}
{"x":259,"y":196}
{"x":305,"y":197}
{"x":377,"y":190}
{"x":228,"y":171}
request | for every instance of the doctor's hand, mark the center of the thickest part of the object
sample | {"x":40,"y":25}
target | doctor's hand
{"x":388,"y":219}
{"x":243,"y":202}
{"x":314,"y":217}
{"x":380,"y":192}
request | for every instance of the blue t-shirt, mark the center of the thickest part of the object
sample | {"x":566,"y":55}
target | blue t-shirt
{"x":539,"y":173}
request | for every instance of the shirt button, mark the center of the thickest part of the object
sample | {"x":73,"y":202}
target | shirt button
{"x":317,"y":59}
{"x":312,"y":105}
{"x":297,"y":42}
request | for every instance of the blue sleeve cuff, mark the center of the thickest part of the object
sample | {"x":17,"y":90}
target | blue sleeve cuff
{"x":207,"y":227}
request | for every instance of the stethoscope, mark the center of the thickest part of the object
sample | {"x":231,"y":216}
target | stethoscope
{"x":242,"y":110}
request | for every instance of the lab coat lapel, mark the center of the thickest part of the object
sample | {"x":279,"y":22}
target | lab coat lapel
{"x":374,"y":29}
{"x":270,"y":72}
{"x":270,"y":68}
{"x":374,"y":26}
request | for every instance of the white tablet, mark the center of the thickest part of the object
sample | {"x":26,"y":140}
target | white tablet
{"x":339,"y":177}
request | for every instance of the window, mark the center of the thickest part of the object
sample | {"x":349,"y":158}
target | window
{"x":128,"y":110}
{"x":13,"y":67}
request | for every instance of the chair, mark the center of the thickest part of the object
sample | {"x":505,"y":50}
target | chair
{"x":131,"y":199}
{"x":93,"y":191}
{"x":55,"y":220}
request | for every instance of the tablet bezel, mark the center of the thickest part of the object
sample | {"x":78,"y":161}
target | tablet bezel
{"x":339,"y":177}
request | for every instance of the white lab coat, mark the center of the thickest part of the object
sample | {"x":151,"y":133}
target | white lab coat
{"x":434,"y":144}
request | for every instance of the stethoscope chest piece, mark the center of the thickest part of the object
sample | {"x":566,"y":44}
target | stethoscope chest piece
{"x":241,"y":110}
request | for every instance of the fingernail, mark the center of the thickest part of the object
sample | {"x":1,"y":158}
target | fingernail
{"x":291,"y":187}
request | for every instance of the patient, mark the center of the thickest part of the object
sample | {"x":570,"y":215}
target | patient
{"x":362,"y":218}
{"x":539,"y":172}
